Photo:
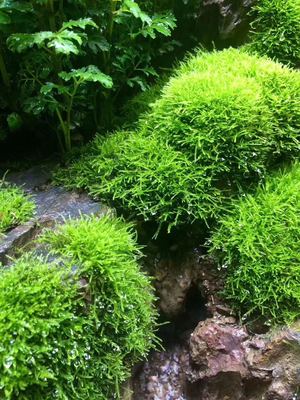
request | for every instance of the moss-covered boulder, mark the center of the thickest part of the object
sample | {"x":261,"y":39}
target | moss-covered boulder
{"x":72,"y":328}
{"x":258,"y":247}
{"x":276,"y":30}
{"x":221,"y":122}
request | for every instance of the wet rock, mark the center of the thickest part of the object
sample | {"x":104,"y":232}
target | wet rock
{"x":177,"y":276}
{"x":163,"y":376}
{"x":277,"y":363}
{"x":57,"y":204}
{"x":227,"y":363}
{"x":32,"y":178}
{"x":226,"y":22}
{"x":15,"y":239}
{"x":174,"y":277}
{"x":216,"y":346}
{"x":53,"y":205}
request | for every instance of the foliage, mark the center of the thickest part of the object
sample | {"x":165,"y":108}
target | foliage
{"x":62,"y":48}
{"x":15,"y":207}
{"x":258,"y":245}
{"x":276,"y":30}
{"x":142,"y":102}
{"x":71,"y":329}
{"x":204,"y":140}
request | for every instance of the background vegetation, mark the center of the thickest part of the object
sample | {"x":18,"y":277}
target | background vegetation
{"x":64,"y":66}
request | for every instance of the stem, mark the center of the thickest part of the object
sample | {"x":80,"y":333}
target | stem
{"x":110,"y":29}
{"x":3,"y":70}
{"x":65,"y":131}
{"x":52,"y":23}
{"x":66,"y":126}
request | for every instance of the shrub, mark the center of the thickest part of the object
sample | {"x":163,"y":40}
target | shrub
{"x":258,"y":244}
{"x":15,"y":207}
{"x":70,"y":62}
{"x":276,"y":30}
{"x":72,"y":329}
{"x":205,"y":139}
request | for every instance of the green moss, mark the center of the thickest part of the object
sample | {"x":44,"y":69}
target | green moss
{"x":276,"y":30}
{"x":72,"y":329}
{"x":221,"y":122}
{"x":15,"y":207}
{"x":258,"y":244}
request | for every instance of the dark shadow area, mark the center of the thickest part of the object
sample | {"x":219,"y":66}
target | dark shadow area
{"x":177,"y":330}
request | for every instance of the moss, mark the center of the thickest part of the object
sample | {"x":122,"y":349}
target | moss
{"x":15,"y":207}
{"x":221,"y":122}
{"x":276,"y":30}
{"x":258,"y":245}
{"x":72,"y":329}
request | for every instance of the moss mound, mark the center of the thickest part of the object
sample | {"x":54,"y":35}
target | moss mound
{"x":258,"y":244}
{"x":220,"y":123}
{"x":15,"y":207}
{"x":72,"y":329}
{"x":276,"y":30}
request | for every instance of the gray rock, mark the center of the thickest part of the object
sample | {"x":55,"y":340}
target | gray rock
{"x":53,"y":205}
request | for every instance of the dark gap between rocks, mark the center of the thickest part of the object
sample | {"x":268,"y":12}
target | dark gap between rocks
{"x":178,"y":329}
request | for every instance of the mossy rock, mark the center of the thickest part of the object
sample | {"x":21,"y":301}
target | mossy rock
{"x":72,"y":328}
{"x":223,"y":120}
{"x":15,"y":207}
{"x":276,"y":30}
{"x":258,"y":245}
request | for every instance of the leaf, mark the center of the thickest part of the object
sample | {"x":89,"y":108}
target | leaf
{"x":49,"y":87}
{"x":160,"y":23}
{"x":98,"y":43}
{"x":14,"y":121}
{"x":62,"y":43}
{"x":20,"y":42}
{"x":4,"y":18}
{"x":132,"y":7}
{"x":81,"y":23}
{"x":19,"y":6}
{"x":88,"y":74}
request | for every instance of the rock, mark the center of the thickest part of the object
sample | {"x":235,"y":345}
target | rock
{"x":53,"y":205}
{"x":277,"y":364}
{"x":174,"y":277}
{"x":57,"y":204}
{"x":16,"y":239}
{"x":163,"y":376}
{"x":32,"y":178}
{"x":226,"y":361}
{"x":216,"y":346}
{"x":226,"y":22}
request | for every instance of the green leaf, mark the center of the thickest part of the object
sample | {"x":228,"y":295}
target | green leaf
{"x":97,"y":43}
{"x":63,"y":45}
{"x":81,"y":23}
{"x":4,"y":18}
{"x":88,"y":74}
{"x":132,"y":7}
{"x":14,"y":121}
{"x":49,"y":87}
{"x":20,"y":42}
{"x":19,"y":6}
